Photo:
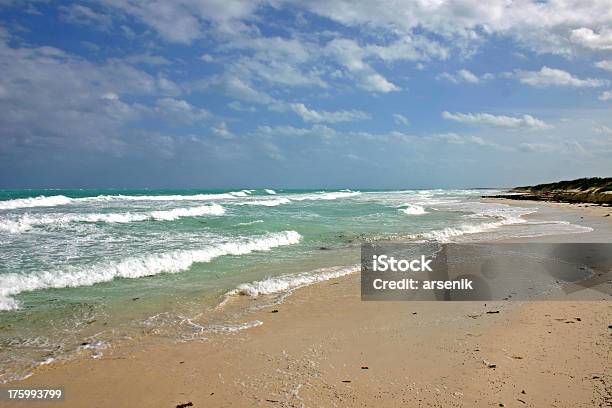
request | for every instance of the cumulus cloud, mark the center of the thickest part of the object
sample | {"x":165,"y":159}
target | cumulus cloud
{"x":500,"y":121}
{"x":605,"y":64}
{"x":596,"y":40}
{"x":605,"y":96}
{"x":183,"y":21}
{"x":539,"y":26}
{"x":275,"y":60}
{"x":352,"y":57}
{"x":53,"y":98}
{"x":546,"y":77}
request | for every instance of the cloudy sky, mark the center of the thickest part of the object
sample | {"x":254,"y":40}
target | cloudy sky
{"x":314,"y":94}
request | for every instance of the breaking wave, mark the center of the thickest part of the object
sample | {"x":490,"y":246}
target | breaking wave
{"x":413,"y":209}
{"x":136,"y":267}
{"x":284,"y":283}
{"x":326,"y":196}
{"x":40,"y":201}
{"x":25,"y":222}
{"x":267,"y":203}
{"x":57,"y":200}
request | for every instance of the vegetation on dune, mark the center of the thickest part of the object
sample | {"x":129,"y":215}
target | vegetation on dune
{"x":595,"y":190}
{"x":592,"y":184}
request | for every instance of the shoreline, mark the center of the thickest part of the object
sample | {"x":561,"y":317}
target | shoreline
{"x":323,"y":346}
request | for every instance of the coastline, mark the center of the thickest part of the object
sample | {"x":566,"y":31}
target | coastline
{"x":324,"y":347}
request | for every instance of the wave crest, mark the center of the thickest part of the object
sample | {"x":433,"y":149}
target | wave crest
{"x":413,"y":209}
{"x":136,"y":267}
{"x":40,"y":201}
{"x":27,"y":221}
{"x":285,"y":283}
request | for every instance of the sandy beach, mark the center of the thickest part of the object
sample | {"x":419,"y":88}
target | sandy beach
{"x":324,"y":347}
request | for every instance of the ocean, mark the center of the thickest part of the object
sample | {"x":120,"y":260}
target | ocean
{"x":84,"y":270}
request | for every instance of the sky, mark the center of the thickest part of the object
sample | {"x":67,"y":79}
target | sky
{"x":304,"y":94}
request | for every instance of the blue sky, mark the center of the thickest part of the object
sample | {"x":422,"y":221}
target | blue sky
{"x":311,"y":94}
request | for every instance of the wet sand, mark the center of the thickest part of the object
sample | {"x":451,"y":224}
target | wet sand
{"x":324,"y":347}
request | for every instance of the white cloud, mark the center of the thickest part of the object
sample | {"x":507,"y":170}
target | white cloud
{"x":349,"y":54}
{"x":222,"y":131}
{"x":555,"y":77}
{"x":408,"y":48}
{"x":565,"y":147}
{"x":375,"y":82}
{"x":486,"y":119}
{"x":290,"y":131}
{"x":235,"y":87}
{"x":237,"y":106}
{"x":540,"y":26}
{"x":591,"y":39}
{"x":275,"y":60}
{"x":606,"y":64}
{"x":181,"y":111}
{"x":183,"y":21}
{"x":605,"y":96}
{"x":311,"y":115}
{"x":400,"y":119}
{"x":54,"y":98}
{"x":464,"y":76}
{"x":83,"y":15}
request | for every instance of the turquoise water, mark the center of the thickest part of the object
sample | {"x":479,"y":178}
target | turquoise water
{"x":82,"y":269}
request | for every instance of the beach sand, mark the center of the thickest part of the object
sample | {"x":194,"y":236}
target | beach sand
{"x":324,"y":347}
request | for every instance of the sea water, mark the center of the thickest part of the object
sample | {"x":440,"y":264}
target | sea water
{"x":81,"y":270}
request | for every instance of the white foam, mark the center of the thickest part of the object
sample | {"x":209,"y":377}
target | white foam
{"x":242,"y":193}
{"x":40,"y":201}
{"x":169,"y":215}
{"x":267,"y":203}
{"x":250,"y":222}
{"x":502,"y":214}
{"x":270,"y":191}
{"x":223,"y":328}
{"x":334,"y":195}
{"x":53,"y":201}
{"x":448,"y":233}
{"x":170,"y":262}
{"x":25,"y":222}
{"x":174,"y":197}
{"x":413,"y":209}
{"x":284,"y":283}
